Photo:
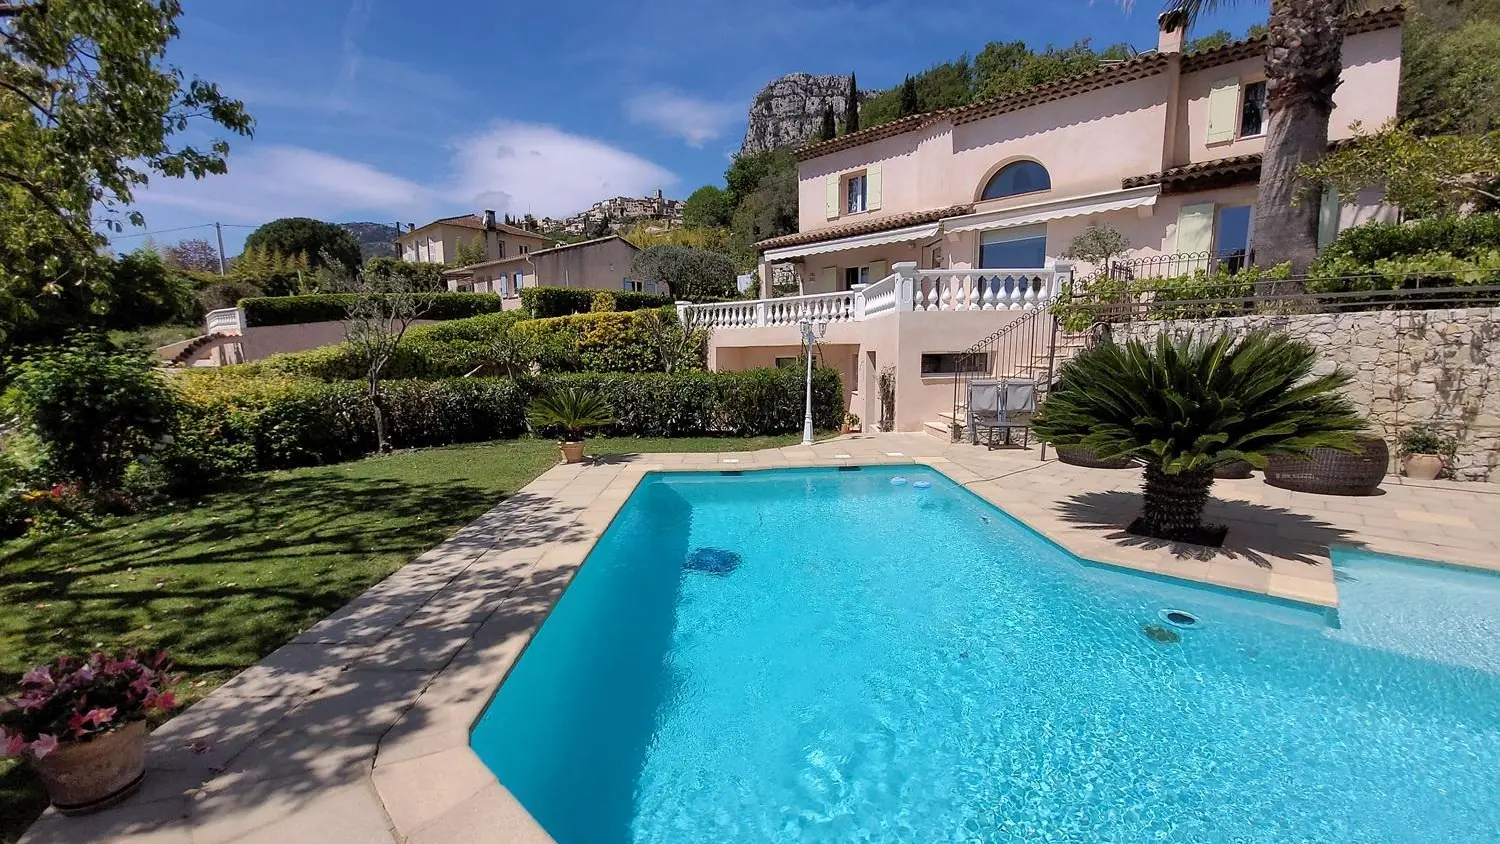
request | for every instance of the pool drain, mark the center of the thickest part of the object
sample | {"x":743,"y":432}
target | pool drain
{"x":718,"y":561}
{"x":1178,"y":618}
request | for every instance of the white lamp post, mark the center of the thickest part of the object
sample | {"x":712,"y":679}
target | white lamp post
{"x":811,"y":333}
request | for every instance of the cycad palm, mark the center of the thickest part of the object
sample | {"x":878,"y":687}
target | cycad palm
{"x":1303,"y":63}
{"x":1183,"y":407}
{"x":573,"y":409}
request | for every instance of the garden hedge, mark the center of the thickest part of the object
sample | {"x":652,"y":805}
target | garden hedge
{"x":541,"y":302}
{"x":326,"y":307}
{"x":233,"y":425}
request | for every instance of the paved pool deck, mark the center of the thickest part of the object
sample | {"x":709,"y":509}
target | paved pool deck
{"x":356,"y":732}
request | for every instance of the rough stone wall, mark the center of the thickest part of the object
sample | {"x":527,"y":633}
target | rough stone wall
{"x":789,"y":110}
{"x":1435,"y":367}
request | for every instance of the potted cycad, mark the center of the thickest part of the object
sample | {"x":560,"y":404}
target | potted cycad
{"x":82,"y":725}
{"x":1425,"y":452}
{"x":572,"y":411}
{"x":1187,"y":407}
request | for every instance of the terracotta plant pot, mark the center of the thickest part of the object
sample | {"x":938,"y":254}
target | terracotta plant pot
{"x":93,"y":775}
{"x":1422,"y":467}
{"x":571,"y":452}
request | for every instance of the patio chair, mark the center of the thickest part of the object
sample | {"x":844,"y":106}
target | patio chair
{"x":984,"y":406}
{"x":1013,"y":404}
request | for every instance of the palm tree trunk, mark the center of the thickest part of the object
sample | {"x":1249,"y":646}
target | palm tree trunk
{"x":1174,"y":504}
{"x":1303,"y":61}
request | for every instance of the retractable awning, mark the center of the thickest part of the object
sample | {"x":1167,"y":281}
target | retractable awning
{"x":1041,"y":212}
{"x":921,"y":232}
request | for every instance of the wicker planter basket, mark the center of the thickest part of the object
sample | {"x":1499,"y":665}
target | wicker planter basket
{"x":1236,"y":471}
{"x":1077,"y":455}
{"x":1332,"y":472}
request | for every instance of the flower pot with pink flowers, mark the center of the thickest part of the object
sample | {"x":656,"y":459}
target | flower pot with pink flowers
{"x":81,"y":723}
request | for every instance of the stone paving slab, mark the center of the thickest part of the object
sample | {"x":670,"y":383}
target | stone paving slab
{"x":358,"y":729}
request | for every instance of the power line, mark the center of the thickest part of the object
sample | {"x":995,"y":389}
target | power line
{"x":159,"y":231}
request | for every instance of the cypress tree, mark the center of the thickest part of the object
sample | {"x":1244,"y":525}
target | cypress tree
{"x":829,"y":127}
{"x":908,"y":98}
{"x":851,"y":108}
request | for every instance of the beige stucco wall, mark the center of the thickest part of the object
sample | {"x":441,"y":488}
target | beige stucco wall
{"x":602,"y":266}
{"x":447,"y":238}
{"x":262,"y":341}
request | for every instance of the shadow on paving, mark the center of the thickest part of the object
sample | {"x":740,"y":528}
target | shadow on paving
{"x":283,"y":749}
{"x":1256,"y":532}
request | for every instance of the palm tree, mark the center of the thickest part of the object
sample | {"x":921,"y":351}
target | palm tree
{"x":1183,"y":407}
{"x":1303,"y":63}
{"x":572,"y":409}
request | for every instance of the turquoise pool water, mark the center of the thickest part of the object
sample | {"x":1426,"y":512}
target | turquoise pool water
{"x":817,"y":655}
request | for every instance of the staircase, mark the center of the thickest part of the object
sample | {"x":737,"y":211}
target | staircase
{"x":1034,"y":347}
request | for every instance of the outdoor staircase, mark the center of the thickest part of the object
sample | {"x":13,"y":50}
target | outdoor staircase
{"x":1067,"y":345}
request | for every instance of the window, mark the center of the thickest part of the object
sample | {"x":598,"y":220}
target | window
{"x":854,"y":194}
{"x":524,"y":248}
{"x":1232,"y":237}
{"x":517,"y":289}
{"x":1020,"y":247}
{"x":955,"y":363}
{"x":1018,"y":178}
{"x":856,"y":275}
{"x":788,"y":363}
{"x":633,"y":286}
{"x":1253,"y":109}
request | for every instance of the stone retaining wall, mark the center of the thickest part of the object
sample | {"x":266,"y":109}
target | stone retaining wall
{"x":1437,"y":367}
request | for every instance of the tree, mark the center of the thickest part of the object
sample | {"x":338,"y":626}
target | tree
{"x":601,"y":227}
{"x":1303,"y":62}
{"x":321,"y":242}
{"x":680,"y":347}
{"x":1098,"y":244}
{"x":1218,"y":38}
{"x":1183,"y":407}
{"x":688,"y":272}
{"x":529,"y":223}
{"x":276,"y":273}
{"x":423,"y":276}
{"x":828,"y":129}
{"x":88,"y":112}
{"x":851,"y":107}
{"x":708,"y":207}
{"x":747,"y":170}
{"x":909,"y":105}
{"x":468,"y":254}
{"x":193,"y":255}
{"x":1450,"y":67}
{"x":380,"y":311}
{"x":1438,"y":175}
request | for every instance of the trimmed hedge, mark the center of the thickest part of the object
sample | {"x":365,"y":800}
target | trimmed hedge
{"x":587,"y":342}
{"x":542,"y":302}
{"x":327,"y":307}
{"x":1461,"y":237}
{"x":236,"y":425}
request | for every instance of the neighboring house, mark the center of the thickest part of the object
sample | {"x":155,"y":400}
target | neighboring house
{"x":438,"y":241}
{"x":976,"y":204}
{"x":600,"y":264}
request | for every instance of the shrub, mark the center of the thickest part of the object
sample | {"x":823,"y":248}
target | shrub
{"x":93,"y":409}
{"x":689,"y":273}
{"x":569,"y":409}
{"x":241,"y":424}
{"x":1461,"y":237}
{"x":603,"y":303}
{"x":227,"y":294}
{"x":326,"y":307}
{"x":1420,"y":439}
{"x":542,"y":302}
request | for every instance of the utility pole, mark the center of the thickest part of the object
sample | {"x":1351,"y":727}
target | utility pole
{"x":219,"y":231}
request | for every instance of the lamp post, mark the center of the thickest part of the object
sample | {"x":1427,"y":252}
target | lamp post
{"x":811,"y":333}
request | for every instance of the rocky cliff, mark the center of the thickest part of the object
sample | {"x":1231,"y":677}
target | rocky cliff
{"x":790,"y":109}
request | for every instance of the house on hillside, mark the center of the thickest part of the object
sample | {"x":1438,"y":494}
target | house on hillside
{"x":599,"y":264}
{"x":438,"y":241}
{"x":920,"y":237}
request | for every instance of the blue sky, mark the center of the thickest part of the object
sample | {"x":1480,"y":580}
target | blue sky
{"x":385,"y":110}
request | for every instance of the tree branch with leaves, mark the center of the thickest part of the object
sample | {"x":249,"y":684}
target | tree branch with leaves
{"x":1441,"y":175}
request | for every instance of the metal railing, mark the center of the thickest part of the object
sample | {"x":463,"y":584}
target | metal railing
{"x":1025,"y":348}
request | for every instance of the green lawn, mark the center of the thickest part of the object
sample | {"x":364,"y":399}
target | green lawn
{"x":223,"y":583}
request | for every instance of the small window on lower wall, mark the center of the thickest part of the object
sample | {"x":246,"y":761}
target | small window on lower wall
{"x":795,"y":362}
{"x":955,"y":363}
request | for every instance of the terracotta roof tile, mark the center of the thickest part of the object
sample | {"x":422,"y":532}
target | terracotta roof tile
{"x":1235,"y":169}
{"x":881,"y":224}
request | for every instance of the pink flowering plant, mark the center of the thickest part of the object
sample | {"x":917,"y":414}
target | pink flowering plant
{"x":74,"y":700}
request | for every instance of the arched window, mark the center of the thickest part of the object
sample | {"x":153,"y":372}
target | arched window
{"x":1020,"y":177}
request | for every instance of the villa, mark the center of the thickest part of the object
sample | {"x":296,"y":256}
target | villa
{"x":599,"y":264}
{"x":438,"y":241}
{"x":921,"y":237}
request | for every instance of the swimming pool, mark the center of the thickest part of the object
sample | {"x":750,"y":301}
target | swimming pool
{"x":823,"y":655}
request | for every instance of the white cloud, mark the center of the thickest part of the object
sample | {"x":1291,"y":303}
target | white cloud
{"x":689,"y":118}
{"x":512,"y":167}
{"x":521,"y":167}
{"x":354,"y":27}
{"x":280,"y":181}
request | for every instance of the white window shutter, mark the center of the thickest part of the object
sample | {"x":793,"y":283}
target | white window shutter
{"x":1328,"y":217}
{"x":878,"y":271}
{"x":1195,"y":228}
{"x":831,"y":186}
{"x":1223,"y":108}
{"x":872,"y":188}
{"x":829,"y":280}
